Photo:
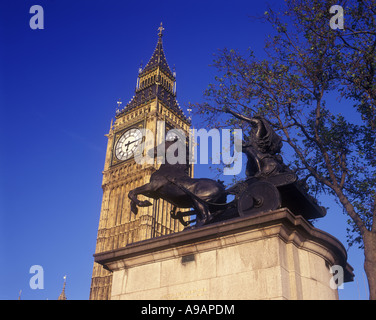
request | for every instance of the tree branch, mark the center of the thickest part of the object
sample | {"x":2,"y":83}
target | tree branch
{"x":373,"y":228}
{"x":342,"y":163}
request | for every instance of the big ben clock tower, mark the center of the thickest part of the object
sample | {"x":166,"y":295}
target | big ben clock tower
{"x":154,"y":101}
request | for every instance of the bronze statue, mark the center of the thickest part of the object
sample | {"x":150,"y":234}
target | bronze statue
{"x":262,"y":147}
{"x":269,"y":184}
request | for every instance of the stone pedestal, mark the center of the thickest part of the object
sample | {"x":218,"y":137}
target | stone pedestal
{"x":273,"y":255}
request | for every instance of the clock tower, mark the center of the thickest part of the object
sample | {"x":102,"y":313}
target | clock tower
{"x":154,"y":102}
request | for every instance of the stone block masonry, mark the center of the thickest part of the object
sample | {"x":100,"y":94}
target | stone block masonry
{"x":273,"y":255}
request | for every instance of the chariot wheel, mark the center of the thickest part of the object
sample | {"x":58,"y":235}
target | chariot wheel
{"x":259,"y":197}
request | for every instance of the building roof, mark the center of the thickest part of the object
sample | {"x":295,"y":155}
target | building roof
{"x":155,"y":89}
{"x":158,"y":58}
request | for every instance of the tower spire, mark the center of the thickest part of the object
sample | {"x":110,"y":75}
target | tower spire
{"x":155,"y":81}
{"x":158,"y":58}
{"x":62,"y":294}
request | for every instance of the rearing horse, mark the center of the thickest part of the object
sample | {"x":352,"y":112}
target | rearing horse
{"x":172,"y":183}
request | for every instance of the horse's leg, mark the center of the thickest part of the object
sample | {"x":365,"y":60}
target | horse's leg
{"x":202,"y":212}
{"x":132,"y":195}
{"x":180,"y":216}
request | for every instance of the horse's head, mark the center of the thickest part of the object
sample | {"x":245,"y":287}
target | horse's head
{"x":160,"y":150}
{"x":173,"y":150}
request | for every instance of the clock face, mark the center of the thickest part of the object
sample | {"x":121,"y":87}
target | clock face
{"x":127,"y":144}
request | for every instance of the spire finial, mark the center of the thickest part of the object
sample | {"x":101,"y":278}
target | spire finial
{"x":189,"y":112}
{"x":160,"y":30}
{"x":118,"y":106}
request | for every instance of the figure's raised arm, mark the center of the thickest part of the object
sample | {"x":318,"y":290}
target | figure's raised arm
{"x":239,"y":116}
{"x":257,"y":123}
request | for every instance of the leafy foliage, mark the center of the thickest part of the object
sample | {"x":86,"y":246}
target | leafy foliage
{"x":309,"y":71}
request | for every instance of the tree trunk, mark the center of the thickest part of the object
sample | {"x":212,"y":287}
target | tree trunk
{"x":369,"y":239}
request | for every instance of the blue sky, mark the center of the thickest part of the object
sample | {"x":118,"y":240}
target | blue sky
{"x":58,"y":93}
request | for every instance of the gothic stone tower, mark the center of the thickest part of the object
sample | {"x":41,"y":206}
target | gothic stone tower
{"x":154,"y":100}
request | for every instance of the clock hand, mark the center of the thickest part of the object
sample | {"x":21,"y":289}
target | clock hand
{"x":129,"y":143}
